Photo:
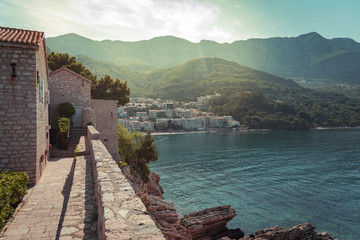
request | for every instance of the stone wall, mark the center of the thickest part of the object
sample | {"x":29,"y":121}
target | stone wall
{"x":106,"y":123}
{"x":42,"y":113}
{"x":121,"y":214}
{"x":67,"y":86}
{"x":23,"y":118}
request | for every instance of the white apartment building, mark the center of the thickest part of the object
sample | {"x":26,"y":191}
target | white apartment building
{"x":122,"y":115}
{"x":156,"y":114}
{"x":182,"y":113}
{"x":135,"y":125}
{"x":121,"y":112}
{"x":163,"y":120}
{"x":169,"y":113}
{"x":217,"y":122}
{"x":148,"y":126}
{"x":141,"y":114}
{"x":125,"y":123}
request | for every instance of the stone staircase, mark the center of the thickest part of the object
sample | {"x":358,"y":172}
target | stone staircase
{"x":76,"y":136}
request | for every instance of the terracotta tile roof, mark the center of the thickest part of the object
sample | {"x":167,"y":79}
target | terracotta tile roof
{"x":14,"y":35}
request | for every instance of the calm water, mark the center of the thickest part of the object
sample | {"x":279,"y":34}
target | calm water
{"x":270,"y":178}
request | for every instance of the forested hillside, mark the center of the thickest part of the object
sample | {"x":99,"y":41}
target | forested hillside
{"x":256,"y":111}
{"x":205,"y":76}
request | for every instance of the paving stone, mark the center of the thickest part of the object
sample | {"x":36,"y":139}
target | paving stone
{"x":68,"y":230}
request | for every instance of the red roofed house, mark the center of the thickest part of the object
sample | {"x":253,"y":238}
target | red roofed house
{"x":24,"y":129}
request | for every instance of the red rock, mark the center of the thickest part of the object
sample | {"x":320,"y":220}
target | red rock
{"x":153,"y":187}
{"x":210,"y":222}
{"x":304,"y":231}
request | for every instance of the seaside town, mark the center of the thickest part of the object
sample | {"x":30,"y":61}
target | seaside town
{"x":143,"y":114}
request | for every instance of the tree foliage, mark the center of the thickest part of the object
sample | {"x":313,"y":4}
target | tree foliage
{"x":147,"y":151}
{"x":66,"y":110}
{"x":137,"y":151}
{"x":59,"y":60}
{"x":128,"y":143}
{"x":107,"y":88}
{"x":64,"y":132}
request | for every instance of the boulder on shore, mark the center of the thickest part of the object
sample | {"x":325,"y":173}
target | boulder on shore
{"x":304,"y":231}
{"x":211,"y":223}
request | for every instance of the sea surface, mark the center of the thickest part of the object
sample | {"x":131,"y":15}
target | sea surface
{"x":270,"y":178}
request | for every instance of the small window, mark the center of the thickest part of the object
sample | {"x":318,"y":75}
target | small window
{"x":41,"y":89}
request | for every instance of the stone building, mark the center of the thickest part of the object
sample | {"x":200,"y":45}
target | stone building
{"x":24,"y":130}
{"x":68,"y":86}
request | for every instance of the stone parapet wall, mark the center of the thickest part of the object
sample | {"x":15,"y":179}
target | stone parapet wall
{"x":121,"y":214}
{"x":42,"y":113}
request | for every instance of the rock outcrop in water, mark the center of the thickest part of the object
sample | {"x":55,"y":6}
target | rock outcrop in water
{"x":211,"y":223}
{"x":207,"y":224}
{"x":304,"y":231}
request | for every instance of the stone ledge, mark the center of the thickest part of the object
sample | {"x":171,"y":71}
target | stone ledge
{"x":121,"y":214}
{"x":92,"y":133}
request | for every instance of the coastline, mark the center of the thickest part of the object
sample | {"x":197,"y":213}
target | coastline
{"x":221,"y":130}
{"x":180,"y":132}
{"x":232,"y":137}
{"x":333,"y":128}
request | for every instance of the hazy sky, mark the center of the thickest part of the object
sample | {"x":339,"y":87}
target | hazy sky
{"x":219,"y":20}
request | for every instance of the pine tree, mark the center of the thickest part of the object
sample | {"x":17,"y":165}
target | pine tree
{"x":145,"y":154}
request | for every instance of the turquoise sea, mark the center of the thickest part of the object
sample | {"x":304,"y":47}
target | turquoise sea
{"x":271,"y":178}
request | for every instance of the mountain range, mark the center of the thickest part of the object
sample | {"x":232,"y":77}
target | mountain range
{"x":308,"y":58}
{"x":261,"y":81}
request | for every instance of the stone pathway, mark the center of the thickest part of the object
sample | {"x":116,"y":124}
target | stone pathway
{"x":60,"y":206}
{"x":80,"y":221}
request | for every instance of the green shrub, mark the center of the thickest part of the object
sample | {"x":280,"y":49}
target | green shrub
{"x":66,"y":110}
{"x":76,"y":151}
{"x":12,"y":190}
{"x":64,"y":132}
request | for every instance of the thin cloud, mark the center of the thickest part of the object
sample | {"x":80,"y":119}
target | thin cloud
{"x":187,"y":18}
{"x":218,"y":34}
{"x":236,"y":22}
{"x":121,"y":19}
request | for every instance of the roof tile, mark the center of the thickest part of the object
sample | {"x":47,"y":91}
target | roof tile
{"x":14,"y":35}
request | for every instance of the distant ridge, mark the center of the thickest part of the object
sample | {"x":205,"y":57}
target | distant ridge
{"x":308,"y":56}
